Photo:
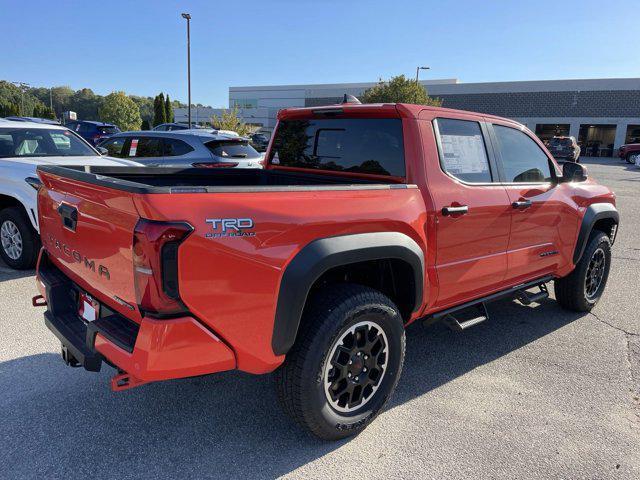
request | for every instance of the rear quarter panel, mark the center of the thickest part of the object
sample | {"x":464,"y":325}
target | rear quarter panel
{"x":231,"y":283}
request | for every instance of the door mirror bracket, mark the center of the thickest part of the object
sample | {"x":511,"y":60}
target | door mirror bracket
{"x":573,"y":172}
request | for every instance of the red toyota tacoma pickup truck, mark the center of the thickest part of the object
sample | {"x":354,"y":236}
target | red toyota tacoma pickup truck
{"x":365,"y":219}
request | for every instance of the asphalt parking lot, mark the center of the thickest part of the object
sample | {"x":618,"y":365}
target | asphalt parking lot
{"x":536,"y":392}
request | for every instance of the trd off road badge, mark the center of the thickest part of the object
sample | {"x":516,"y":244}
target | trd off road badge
{"x":229,"y":227}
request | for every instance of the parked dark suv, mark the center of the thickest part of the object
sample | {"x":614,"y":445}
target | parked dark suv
{"x":92,"y":132}
{"x":565,"y":148}
{"x":259,"y":141}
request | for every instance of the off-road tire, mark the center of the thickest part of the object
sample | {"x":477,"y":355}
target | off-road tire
{"x":300,"y":382}
{"x":571,"y":290}
{"x":30,"y":239}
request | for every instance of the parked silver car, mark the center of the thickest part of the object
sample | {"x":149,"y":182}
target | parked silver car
{"x":182,"y":148}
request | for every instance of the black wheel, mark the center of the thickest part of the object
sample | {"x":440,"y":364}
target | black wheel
{"x":19,"y":242}
{"x":581,"y":289}
{"x":345,"y":363}
{"x":632,"y":157}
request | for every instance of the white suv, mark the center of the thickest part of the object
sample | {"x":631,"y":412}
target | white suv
{"x":24,"y":146}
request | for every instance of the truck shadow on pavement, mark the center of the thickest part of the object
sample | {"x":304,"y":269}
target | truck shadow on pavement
{"x":58,"y":421}
{"x":7,"y":273}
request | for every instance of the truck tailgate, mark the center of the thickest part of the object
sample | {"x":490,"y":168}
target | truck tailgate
{"x":88,"y":234}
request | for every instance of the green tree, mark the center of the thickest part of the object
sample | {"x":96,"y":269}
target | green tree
{"x":61,"y":98}
{"x":168,"y":110}
{"x":119,"y":109}
{"x":159,"y":111}
{"x":229,"y":120}
{"x":40,"y":110}
{"x":145,"y":104}
{"x":399,"y":90}
{"x":85,"y":103}
{"x":145,"y":125}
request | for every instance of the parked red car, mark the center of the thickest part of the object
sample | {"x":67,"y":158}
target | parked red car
{"x":367,"y":218}
{"x":629,"y":152}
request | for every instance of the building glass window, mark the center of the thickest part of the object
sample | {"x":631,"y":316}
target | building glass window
{"x":244,"y":103}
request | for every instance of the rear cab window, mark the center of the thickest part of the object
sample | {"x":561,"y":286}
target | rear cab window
{"x":371,"y":146}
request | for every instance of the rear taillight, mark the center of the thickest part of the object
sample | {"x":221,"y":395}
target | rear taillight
{"x":155,"y":266}
{"x":215,"y":164}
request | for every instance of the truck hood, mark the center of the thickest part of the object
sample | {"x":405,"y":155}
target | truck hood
{"x":76,"y":160}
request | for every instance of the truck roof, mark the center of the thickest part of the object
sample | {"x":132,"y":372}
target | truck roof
{"x":403,"y":110}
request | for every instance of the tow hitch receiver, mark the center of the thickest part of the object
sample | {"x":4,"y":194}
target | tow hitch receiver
{"x":38,"y":301}
{"x":125,"y":381}
{"x":68,"y":358}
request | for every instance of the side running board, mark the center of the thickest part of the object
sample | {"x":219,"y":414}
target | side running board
{"x":527,"y":298}
{"x":472,"y":313}
{"x":469,"y":317}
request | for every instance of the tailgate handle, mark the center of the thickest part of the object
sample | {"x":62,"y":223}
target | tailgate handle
{"x":69,"y":216}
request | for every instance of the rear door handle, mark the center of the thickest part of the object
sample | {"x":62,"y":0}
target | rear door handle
{"x":521,"y":204}
{"x":461,"y":210}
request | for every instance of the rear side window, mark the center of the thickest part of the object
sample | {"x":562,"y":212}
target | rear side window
{"x":357,"y":145}
{"x":463,"y":153}
{"x":232,"y":149}
{"x":523,"y":160}
{"x":145,"y":147}
{"x":175,"y":148}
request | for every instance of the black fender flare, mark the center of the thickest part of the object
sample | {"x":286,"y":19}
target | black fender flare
{"x":594,"y":213}
{"x":323,"y":254}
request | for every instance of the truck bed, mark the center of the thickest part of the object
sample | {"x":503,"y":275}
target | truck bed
{"x":145,"y":180}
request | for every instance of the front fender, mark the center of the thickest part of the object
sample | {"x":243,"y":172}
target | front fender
{"x":594,"y":213}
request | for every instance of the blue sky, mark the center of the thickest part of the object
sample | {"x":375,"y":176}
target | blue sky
{"x":139,"y":46}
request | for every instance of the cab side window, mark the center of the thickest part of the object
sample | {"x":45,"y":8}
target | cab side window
{"x":115,"y":147}
{"x":463,"y":153}
{"x":523,"y":161}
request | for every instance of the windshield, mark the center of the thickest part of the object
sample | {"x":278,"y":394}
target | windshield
{"x":560,"y":142}
{"x":41,"y":142}
{"x":232,"y":149}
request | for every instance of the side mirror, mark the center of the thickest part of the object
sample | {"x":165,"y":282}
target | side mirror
{"x":573,"y":172}
{"x":102,"y":150}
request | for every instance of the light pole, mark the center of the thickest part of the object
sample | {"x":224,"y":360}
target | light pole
{"x":418,"y":72}
{"x":418,"y":79}
{"x":22,"y":86}
{"x":188,"y":18}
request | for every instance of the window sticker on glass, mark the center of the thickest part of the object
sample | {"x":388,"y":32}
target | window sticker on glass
{"x":134,"y":147}
{"x":463,"y":150}
{"x":464,"y":154}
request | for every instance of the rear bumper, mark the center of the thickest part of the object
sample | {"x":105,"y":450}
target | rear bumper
{"x":152,"y":350}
